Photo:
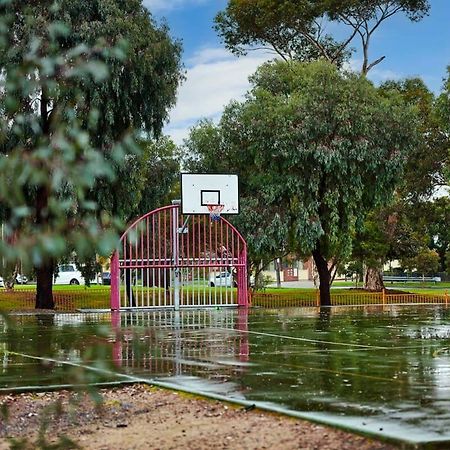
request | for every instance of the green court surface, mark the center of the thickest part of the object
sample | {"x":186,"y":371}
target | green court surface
{"x":378,"y":370}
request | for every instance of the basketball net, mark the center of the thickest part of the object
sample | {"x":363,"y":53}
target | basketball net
{"x":215,"y":211}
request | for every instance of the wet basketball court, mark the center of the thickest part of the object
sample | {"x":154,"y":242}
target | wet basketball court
{"x":378,"y":370}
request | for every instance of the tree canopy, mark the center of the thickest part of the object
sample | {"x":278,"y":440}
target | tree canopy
{"x":297,"y":29}
{"x":80,"y":77}
{"x":316,"y":149}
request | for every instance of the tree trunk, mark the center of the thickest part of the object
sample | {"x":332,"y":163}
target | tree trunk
{"x":324,"y":278}
{"x":277,"y":271}
{"x":44,"y":272}
{"x":44,"y":288}
{"x":373,"y":279}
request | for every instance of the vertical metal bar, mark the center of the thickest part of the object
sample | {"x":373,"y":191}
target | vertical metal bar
{"x":181,"y":256}
{"x":170,"y":268}
{"x":199,"y":260}
{"x":158,"y":239}
{"x":147,"y":303}
{"x":223,"y":255}
{"x":115,"y":282}
{"x":205,"y":279}
{"x":136,"y":245}
{"x":148,"y":241}
{"x":120,"y":271}
{"x":205,"y":283}
{"x":175,"y":259}
{"x":153,"y":261}
{"x":188,"y":270}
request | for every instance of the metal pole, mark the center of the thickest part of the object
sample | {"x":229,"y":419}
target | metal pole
{"x":176,"y":255}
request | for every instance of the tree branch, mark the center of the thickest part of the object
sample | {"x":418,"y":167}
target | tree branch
{"x":377,"y":61}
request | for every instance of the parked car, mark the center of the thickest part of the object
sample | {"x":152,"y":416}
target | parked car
{"x":68,"y":274}
{"x":106,"y":278}
{"x":221,"y":279}
{"x":21,"y":279}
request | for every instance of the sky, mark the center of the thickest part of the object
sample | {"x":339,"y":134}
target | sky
{"x":214,"y":76}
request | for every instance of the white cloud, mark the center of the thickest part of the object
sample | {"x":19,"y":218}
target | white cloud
{"x":214,"y":79}
{"x":168,"y":5}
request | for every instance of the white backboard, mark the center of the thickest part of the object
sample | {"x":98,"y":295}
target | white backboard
{"x":199,"y":190}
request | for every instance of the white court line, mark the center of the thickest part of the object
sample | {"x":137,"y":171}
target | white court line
{"x":74,"y":364}
{"x":318,"y":341}
{"x":188,"y":327}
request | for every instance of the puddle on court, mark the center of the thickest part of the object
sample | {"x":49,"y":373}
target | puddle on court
{"x":384,"y":370}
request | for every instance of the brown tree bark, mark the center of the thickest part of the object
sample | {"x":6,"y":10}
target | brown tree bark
{"x":278,"y":271}
{"x":44,"y":287}
{"x":373,"y":279}
{"x":324,"y":277}
{"x":44,"y":272}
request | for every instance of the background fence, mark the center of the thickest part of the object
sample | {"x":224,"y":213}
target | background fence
{"x":65,"y":300}
{"x":98,"y":297}
{"x":312,"y":299}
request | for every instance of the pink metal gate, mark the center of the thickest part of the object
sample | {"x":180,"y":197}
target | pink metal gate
{"x":167,"y":260}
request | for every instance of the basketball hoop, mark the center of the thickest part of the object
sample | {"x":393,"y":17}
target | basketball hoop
{"x":215,"y":211}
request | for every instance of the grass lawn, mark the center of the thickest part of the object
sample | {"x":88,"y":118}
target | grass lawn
{"x":70,"y":298}
{"x":403,"y":285}
{"x":63,"y":287}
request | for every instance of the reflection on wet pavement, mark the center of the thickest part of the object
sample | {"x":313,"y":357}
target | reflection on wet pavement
{"x":384,"y":370}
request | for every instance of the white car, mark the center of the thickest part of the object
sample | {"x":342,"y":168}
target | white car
{"x":68,"y":274}
{"x":21,"y":279}
{"x":221,"y":279}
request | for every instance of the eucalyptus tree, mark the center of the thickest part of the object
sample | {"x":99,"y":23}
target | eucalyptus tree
{"x":297,"y":29}
{"x":80,"y":77}
{"x":316,"y":150}
{"x":443,"y":111}
{"x":426,"y":167}
{"x":415,"y":220}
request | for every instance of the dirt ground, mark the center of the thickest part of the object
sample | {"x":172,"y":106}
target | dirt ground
{"x":140,"y":417}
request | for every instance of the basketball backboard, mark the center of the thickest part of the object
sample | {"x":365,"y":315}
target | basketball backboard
{"x":200,"y":190}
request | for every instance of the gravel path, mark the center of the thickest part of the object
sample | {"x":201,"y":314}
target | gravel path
{"x":140,"y":417}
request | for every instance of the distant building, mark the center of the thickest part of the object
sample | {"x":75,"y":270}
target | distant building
{"x":292,"y":269}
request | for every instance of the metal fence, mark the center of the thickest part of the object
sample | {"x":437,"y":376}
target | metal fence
{"x":168,"y":260}
{"x":312,"y":299}
{"x":67,"y":300}
{"x":99,"y":298}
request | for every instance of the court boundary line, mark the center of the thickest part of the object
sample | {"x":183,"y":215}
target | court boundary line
{"x":264,"y":406}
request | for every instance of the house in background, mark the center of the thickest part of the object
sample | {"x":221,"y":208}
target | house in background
{"x":292,"y":269}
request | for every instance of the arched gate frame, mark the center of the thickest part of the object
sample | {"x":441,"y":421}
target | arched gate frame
{"x":168,"y":260}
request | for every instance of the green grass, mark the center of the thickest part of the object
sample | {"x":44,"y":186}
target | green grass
{"x":70,"y":298}
{"x":389,"y":285}
{"x":63,"y":287}
{"x":427,"y":291}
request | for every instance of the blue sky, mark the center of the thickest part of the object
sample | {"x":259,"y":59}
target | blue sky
{"x":214,"y":77}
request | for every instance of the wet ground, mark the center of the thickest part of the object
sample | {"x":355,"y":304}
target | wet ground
{"x":381,"y":370}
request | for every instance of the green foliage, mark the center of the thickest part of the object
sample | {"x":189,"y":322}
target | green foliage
{"x":48,"y":164}
{"x":426,"y":262}
{"x":432,"y":218}
{"x":315,"y":149}
{"x":288,"y":27}
{"x":161,"y":172}
{"x":427,"y":163}
{"x":388,"y":234}
{"x":79,"y":78}
{"x":443,"y":112}
{"x":295,"y":29}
